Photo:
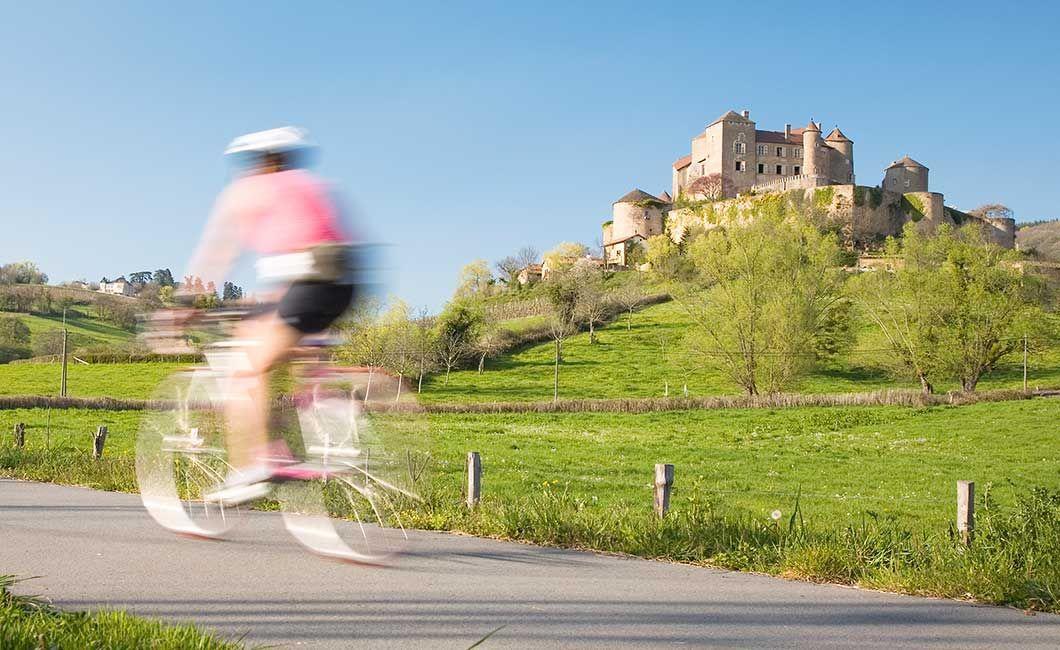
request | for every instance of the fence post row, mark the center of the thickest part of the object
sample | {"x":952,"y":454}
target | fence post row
{"x":664,"y":481}
{"x":966,"y":511}
{"x":20,"y":435}
{"x":98,"y":439}
{"x":474,"y":478}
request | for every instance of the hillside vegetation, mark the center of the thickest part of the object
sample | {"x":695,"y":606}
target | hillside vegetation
{"x":1041,"y":239}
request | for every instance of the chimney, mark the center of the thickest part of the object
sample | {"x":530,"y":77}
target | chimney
{"x":746,"y":113}
{"x":787,"y":130}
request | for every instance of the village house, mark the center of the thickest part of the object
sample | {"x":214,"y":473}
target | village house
{"x":119,"y":287}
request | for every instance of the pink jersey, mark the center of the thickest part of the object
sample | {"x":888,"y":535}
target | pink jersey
{"x":283,"y":212}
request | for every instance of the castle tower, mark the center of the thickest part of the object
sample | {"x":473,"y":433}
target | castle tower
{"x":905,"y":175}
{"x":843,"y":172}
{"x":812,"y":165}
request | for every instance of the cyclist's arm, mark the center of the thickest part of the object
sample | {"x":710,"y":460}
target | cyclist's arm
{"x":220,"y":243}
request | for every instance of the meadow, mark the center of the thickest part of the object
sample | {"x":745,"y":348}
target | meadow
{"x":84,"y":331}
{"x":644,"y":360}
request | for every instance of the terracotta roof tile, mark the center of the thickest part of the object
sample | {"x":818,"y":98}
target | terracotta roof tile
{"x":681,"y":163}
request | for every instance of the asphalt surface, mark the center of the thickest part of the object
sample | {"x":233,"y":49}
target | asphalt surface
{"x":101,"y":550}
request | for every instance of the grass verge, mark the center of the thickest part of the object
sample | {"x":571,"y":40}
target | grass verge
{"x":29,"y":623}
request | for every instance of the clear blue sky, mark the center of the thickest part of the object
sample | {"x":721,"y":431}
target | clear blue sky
{"x":462,"y":131}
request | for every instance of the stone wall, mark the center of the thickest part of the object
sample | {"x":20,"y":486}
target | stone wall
{"x":862,"y":216}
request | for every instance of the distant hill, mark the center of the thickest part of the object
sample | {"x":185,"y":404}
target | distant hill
{"x":1042,"y":237}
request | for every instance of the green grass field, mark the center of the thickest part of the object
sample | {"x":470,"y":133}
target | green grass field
{"x":118,"y":380}
{"x":643,"y":362}
{"x":845,"y":461}
{"x":84,"y":332}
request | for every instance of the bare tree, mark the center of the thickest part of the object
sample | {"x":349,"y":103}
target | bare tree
{"x":628,"y":297}
{"x":591,"y":298}
{"x":563,"y":294}
{"x":992,"y":211}
{"x":490,"y":341}
{"x":712,"y":187}
{"x":509,"y":267}
{"x":425,"y":345}
{"x":526,"y":256}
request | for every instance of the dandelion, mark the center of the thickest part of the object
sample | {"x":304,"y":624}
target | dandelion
{"x":775,"y":515}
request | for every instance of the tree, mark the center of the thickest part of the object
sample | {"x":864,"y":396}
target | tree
{"x":563,"y":295}
{"x":564,"y":255}
{"x":489,"y":342}
{"x":231,"y":292}
{"x":711,"y":187}
{"x":48,"y":342}
{"x":425,"y":345}
{"x":163,"y":278}
{"x":456,"y":331}
{"x":397,"y":333}
{"x":956,"y":306}
{"x":629,"y":296}
{"x":992,"y":211}
{"x":365,"y":341}
{"x":22,"y":273}
{"x":636,"y":253}
{"x":666,"y":261}
{"x":526,"y":256}
{"x":509,"y":267}
{"x":475,"y":280}
{"x":758,"y":295}
{"x":13,"y":332}
{"x":592,"y":301}
{"x":140,"y":278}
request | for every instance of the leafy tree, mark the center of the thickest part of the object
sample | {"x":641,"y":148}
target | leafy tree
{"x":231,"y":292}
{"x":759,"y":295}
{"x":562,"y":289}
{"x":424,"y":344}
{"x":490,"y":341}
{"x":365,"y":341}
{"x":636,"y":254}
{"x":163,"y":278}
{"x":666,"y":260}
{"x":564,"y":255}
{"x":13,"y":332}
{"x":475,"y":280}
{"x":456,"y":331}
{"x":956,"y":306}
{"x":140,"y":278}
{"x":22,"y":273}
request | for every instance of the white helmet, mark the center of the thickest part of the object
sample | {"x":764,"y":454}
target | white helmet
{"x":285,"y":138}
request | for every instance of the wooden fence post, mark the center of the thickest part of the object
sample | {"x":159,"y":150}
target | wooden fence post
{"x":966,"y":511}
{"x":98,"y":439}
{"x":664,"y":481}
{"x":474,"y":478}
{"x":20,"y":435}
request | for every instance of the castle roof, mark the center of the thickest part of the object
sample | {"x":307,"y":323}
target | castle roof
{"x":837,"y":136}
{"x":625,"y":239}
{"x":905,"y":161}
{"x":812,"y":127}
{"x":637,"y":195}
{"x":731,"y":116}
{"x":778,"y":137}
{"x":681,"y":163}
{"x":665,"y":197}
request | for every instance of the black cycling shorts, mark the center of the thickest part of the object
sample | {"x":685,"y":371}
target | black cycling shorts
{"x":311,"y":307}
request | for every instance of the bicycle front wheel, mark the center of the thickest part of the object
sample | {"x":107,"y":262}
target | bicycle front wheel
{"x":181,"y":456}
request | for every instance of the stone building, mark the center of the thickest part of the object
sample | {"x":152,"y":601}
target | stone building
{"x":747,"y":157}
{"x":634,"y":218}
{"x":905,"y":175}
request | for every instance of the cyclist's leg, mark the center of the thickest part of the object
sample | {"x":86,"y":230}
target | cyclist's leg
{"x":248,"y":418}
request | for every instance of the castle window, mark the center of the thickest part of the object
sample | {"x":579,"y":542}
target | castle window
{"x":780,"y":151}
{"x":761,"y":150}
{"x":780,"y":170}
{"x":797,"y":170}
{"x":739,"y":147}
{"x":907,"y":183}
{"x":797,"y":152}
{"x":761,"y":168}
{"x":741,"y":166}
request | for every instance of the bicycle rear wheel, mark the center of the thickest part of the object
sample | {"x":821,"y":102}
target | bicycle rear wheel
{"x":352,"y":511}
{"x":181,"y":456}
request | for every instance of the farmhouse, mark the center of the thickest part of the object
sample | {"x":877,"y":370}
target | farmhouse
{"x":119,"y":287}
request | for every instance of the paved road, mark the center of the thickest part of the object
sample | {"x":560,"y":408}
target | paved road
{"x":97,"y":549}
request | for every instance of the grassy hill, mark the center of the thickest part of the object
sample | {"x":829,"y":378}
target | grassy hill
{"x":85,"y":331}
{"x":1042,"y":237}
{"x":642,"y":362}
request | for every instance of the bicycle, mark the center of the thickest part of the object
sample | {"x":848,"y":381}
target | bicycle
{"x":336,"y":455}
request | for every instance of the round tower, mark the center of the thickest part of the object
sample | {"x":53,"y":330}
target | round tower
{"x":810,"y":135}
{"x":844,"y":146}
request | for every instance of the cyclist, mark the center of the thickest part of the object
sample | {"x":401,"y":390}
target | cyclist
{"x":286,"y":217}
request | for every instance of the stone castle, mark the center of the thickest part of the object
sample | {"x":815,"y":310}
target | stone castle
{"x":734,"y":165}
